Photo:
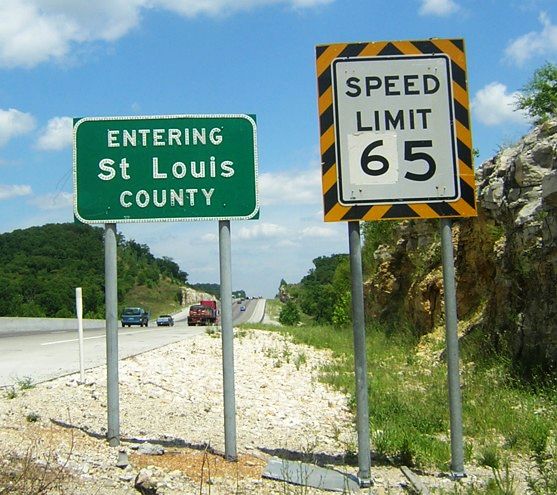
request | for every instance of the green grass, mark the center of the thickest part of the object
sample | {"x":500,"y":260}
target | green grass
{"x":158,"y":300}
{"x":272,"y":308}
{"x":408,"y":400}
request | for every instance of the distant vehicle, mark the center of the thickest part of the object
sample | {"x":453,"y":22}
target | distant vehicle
{"x":165,"y":321}
{"x":242,"y":308}
{"x":135,"y":316}
{"x":204,"y":313}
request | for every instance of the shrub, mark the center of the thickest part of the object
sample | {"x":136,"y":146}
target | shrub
{"x":539,"y":96}
{"x":289,"y":314}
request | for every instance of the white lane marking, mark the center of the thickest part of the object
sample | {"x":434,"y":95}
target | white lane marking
{"x":91,"y":338}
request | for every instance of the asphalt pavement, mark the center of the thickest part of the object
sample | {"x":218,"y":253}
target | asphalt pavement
{"x":46,"y":349}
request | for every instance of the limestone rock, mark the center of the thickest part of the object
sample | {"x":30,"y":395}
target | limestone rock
{"x":145,"y":483}
{"x":506,"y":258}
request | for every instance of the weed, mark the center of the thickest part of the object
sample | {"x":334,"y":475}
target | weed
{"x":240,"y":334}
{"x":25,"y":383}
{"x":494,"y":231}
{"x":300,"y":360}
{"x":36,"y":472}
{"x":503,"y":482}
{"x":286,"y":352}
{"x":206,"y":461}
{"x":32,"y":417}
{"x":489,"y":457}
{"x":408,"y":399}
{"x":212,"y":332}
{"x":543,"y":480}
{"x":11,"y":393}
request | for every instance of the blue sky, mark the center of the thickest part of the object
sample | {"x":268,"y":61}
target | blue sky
{"x":72,"y":58}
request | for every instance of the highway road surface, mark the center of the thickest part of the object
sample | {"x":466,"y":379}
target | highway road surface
{"x":45,"y":355}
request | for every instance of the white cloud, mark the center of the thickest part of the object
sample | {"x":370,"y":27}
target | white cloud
{"x":318,"y":232}
{"x":438,"y":7}
{"x":36,"y":31}
{"x":534,"y":43}
{"x":260,"y":231}
{"x":292,"y":187}
{"x":209,"y":237}
{"x":309,"y":3}
{"x":493,"y":105}
{"x":191,"y":8}
{"x":14,"y":123}
{"x":7,"y":192}
{"x":53,"y":201}
{"x":57,"y":134}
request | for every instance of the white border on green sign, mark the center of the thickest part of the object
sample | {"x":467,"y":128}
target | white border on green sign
{"x":152,"y":117}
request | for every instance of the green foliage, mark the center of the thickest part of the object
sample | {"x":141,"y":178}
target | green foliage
{"x":214,"y":290}
{"x":289,"y":314}
{"x":319,"y":291}
{"x":539,"y":96}
{"x":375,"y":234}
{"x":409,"y":411}
{"x":25,"y":383}
{"x":342,"y":310}
{"x":32,"y":417}
{"x":11,"y":393}
{"x":40,"y":268}
{"x":542,"y":480}
{"x":490,"y":457}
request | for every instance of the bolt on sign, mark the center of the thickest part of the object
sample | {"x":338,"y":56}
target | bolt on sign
{"x":395,"y":130}
{"x":165,"y":168}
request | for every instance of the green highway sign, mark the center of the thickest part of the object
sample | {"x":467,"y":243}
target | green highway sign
{"x":165,"y":168}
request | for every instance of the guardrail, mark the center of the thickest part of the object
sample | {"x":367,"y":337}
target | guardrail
{"x":16,"y":325}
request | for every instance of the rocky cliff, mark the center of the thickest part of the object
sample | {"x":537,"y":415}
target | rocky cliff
{"x":506,"y":259}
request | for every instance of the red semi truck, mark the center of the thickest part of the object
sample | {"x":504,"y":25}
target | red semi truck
{"x":204,"y":313}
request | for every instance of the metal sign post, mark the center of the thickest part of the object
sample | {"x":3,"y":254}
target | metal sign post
{"x":111,"y":304}
{"x":79,"y":312}
{"x":360,"y":365}
{"x":227,"y":341}
{"x":451,"y":332}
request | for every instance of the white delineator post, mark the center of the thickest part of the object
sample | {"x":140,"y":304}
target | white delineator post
{"x":79,"y":311}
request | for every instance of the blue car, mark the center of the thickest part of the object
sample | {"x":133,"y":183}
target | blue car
{"x":135,"y":316}
{"x":165,"y":321}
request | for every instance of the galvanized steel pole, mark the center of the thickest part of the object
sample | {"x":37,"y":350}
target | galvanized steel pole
{"x":111,"y":305}
{"x":227,"y":341}
{"x":360,"y":364}
{"x":451,"y":332}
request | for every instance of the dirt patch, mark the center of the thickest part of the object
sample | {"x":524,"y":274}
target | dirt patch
{"x":203,"y":466}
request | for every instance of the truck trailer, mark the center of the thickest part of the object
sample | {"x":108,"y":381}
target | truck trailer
{"x":204,"y":313}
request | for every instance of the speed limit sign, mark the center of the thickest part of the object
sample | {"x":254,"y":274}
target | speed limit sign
{"x":395,"y":131}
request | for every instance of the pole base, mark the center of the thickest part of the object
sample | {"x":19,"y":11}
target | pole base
{"x":114,"y":441}
{"x":365,"y":482}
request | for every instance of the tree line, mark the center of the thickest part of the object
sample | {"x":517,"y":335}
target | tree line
{"x":40,"y":267}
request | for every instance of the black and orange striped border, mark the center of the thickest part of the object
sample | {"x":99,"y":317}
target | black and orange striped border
{"x":465,"y":206}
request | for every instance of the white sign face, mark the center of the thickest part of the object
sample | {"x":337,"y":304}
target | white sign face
{"x":394,"y":130}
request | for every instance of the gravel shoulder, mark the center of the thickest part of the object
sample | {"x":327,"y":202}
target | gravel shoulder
{"x":171,"y":402}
